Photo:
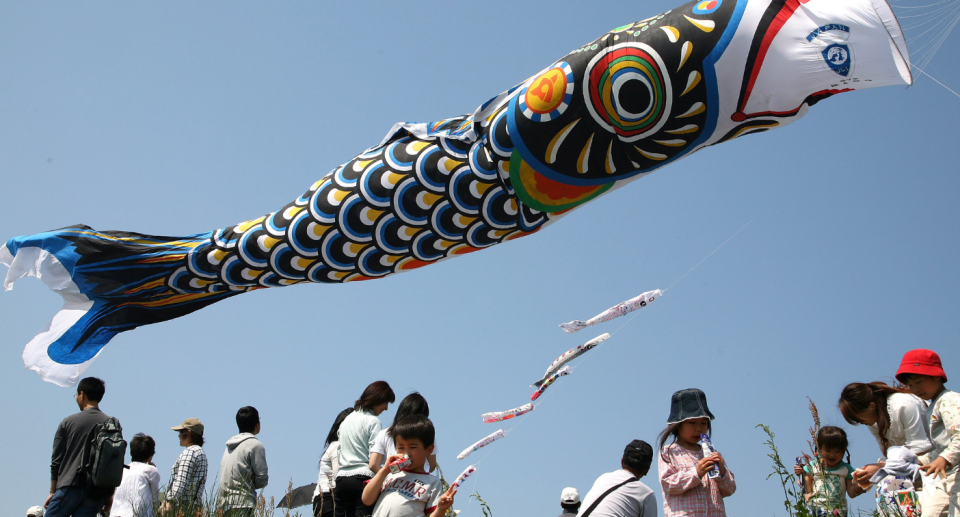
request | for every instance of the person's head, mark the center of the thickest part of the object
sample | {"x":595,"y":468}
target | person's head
{"x":866,"y":403}
{"x":376,"y":397}
{"x":248,"y":420}
{"x":335,"y":428}
{"x":413,"y":436}
{"x":689,"y":418}
{"x":570,"y":499}
{"x":190,"y":432}
{"x":921,"y":372}
{"x":412,"y":404}
{"x":90,"y":392}
{"x":831,"y":445}
{"x":35,"y":511}
{"x":686,"y":433}
{"x":637,"y":456}
{"x":142,"y":448}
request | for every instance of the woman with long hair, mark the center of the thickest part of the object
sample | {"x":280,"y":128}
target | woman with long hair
{"x":356,"y":437}
{"x":329,"y":467}
{"x":893,"y":415}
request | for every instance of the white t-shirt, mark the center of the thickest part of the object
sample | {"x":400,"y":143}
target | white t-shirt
{"x":633,"y":499}
{"x":408,"y":494}
{"x":134,"y":496}
{"x":383,"y":444}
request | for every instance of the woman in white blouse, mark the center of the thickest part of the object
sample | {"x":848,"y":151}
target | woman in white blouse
{"x":894,"y":416}
{"x":327,"y":481}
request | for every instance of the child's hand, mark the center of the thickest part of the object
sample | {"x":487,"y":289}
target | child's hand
{"x":798,"y":470}
{"x":704,"y":465}
{"x":446,"y":501}
{"x":720,"y":463}
{"x":936,"y":468}
{"x":392,"y":459}
{"x":856,"y":490}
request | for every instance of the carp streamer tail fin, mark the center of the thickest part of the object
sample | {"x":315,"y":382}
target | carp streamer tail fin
{"x":110,"y":282}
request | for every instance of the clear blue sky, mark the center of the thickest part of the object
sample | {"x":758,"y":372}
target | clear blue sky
{"x":182,"y":117}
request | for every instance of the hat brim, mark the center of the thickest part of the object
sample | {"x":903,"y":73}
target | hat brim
{"x":178,"y":428}
{"x":923,"y":369}
{"x":708,"y":415}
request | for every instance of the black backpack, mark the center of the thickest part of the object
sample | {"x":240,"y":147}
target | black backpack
{"x":103,"y":455}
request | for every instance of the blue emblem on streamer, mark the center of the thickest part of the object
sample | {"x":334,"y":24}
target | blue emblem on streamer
{"x":837,"y":57}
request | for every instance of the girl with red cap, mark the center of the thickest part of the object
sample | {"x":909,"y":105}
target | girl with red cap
{"x":921,"y":371}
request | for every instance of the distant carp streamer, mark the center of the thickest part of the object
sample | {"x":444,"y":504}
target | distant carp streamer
{"x":570,"y":355}
{"x":635,"y":99}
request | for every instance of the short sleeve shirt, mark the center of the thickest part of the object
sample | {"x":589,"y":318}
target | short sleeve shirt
{"x":830,"y":487}
{"x":632,"y":499}
{"x":408,"y":494}
{"x":138,"y":488}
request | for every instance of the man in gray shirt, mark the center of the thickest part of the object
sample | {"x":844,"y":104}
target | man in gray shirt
{"x":243,"y":469}
{"x":70,"y":494}
{"x":620,"y":493}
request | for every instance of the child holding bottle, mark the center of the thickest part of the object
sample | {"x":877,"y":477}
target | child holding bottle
{"x":688,"y":488}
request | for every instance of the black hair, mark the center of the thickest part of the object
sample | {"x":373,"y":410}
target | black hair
{"x":373,"y":395}
{"x":92,"y":387}
{"x":332,"y":436}
{"x":195,"y":438}
{"x":573,"y":507}
{"x":638,"y":459}
{"x":412,"y":404}
{"x":247,"y":419}
{"x":674,"y":430}
{"x":142,"y":447}
{"x":830,"y":437}
{"x":416,"y":427}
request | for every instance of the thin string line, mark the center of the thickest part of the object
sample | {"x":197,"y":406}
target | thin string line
{"x":708,"y":256}
{"x":936,"y":81}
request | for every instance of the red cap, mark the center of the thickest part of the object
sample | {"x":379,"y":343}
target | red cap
{"x":921,"y":362}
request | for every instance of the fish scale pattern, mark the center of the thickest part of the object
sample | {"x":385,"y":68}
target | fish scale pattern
{"x":399,"y":206}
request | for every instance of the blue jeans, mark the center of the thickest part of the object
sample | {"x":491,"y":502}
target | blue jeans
{"x":73,"y":501}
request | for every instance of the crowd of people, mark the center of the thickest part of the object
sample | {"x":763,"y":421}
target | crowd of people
{"x":916,"y":425}
{"x":366,"y":470}
{"x":243,"y":468}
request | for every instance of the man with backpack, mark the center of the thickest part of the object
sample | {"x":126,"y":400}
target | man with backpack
{"x":74,"y":489}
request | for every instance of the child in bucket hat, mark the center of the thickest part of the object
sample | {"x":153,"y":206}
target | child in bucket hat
{"x":922,"y":373}
{"x":687,"y":488}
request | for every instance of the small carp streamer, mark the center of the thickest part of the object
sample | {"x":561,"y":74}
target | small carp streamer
{"x":462,"y":477}
{"x":497,"y":416}
{"x":492,"y":437}
{"x":616,"y":311}
{"x":550,"y":380}
{"x":637,"y":98}
{"x":570,"y":355}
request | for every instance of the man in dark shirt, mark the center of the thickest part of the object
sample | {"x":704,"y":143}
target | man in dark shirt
{"x":69,"y":492}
